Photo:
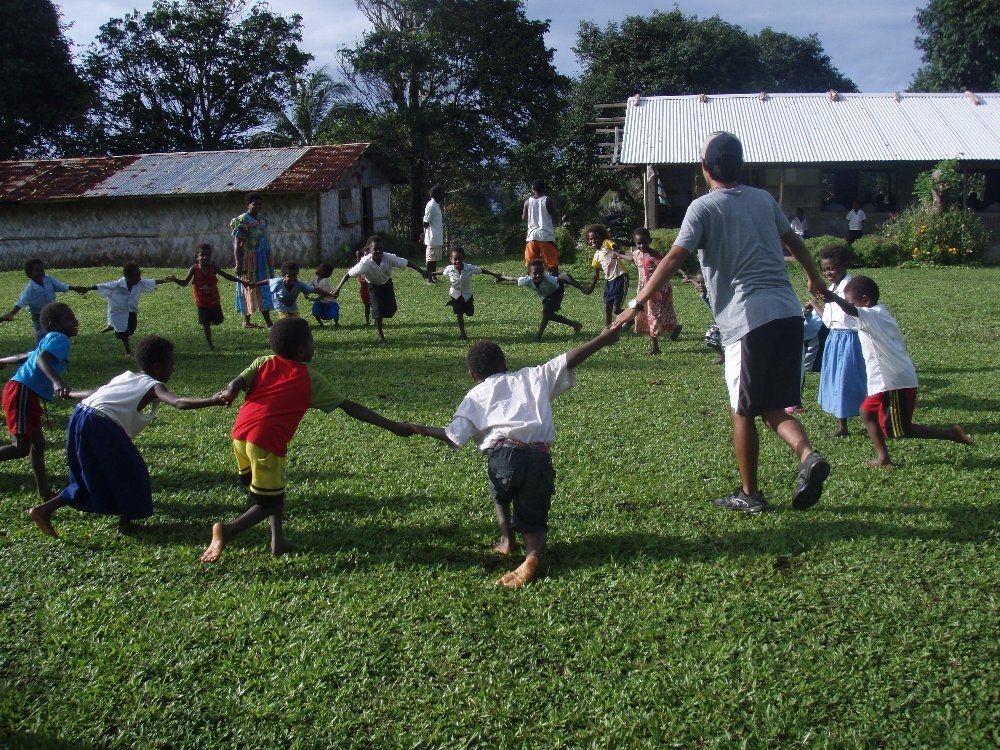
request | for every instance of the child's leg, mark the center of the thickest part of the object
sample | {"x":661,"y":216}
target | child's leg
{"x":507,"y":543}
{"x":223,"y":533}
{"x":870,"y":419}
{"x":368,"y":315}
{"x":608,"y":307}
{"x":378,"y":327}
{"x":208,"y":337}
{"x":319,"y":320}
{"x":279,"y":545}
{"x":654,"y":345}
{"x":461,"y":326}
{"x":841,"y":428}
{"x":42,"y":514}
{"x":577,"y":327}
{"x":38,"y":465}
{"x":955,"y":433}
{"x":267,"y":317}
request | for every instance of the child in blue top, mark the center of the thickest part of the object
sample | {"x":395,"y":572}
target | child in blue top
{"x":285,"y":290}
{"x":551,"y":290}
{"x":38,"y":379}
{"x":40,"y":291}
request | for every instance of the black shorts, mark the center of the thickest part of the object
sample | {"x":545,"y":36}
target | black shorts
{"x":383,"y":299}
{"x":764,"y":368}
{"x":554,"y":301}
{"x":133,"y":321}
{"x":462,"y":306}
{"x":615,"y":291}
{"x":210,"y":316}
{"x":524,"y":478}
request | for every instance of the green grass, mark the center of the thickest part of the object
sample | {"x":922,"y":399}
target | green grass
{"x":868,"y":621}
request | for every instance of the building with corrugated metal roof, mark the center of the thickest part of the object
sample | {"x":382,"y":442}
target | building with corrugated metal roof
{"x":815,"y":151}
{"x":155,"y":208}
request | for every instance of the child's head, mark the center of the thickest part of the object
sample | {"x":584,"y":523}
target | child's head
{"x":291,"y":338}
{"x":58,"y":317}
{"x":132,"y":272}
{"x":290,"y":271}
{"x":641,"y":237}
{"x":323,"y":271}
{"x":595,"y":234}
{"x":485,"y":359}
{"x":203,"y":253}
{"x":536,"y":270}
{"x":861,"y":291}
{"x":699,"y":282}
{"x":375,"y":246}
{"x":457,"y":256}
{"x":155,"y":357}
{"x":34,"y":269}
{"x":833,"y":262}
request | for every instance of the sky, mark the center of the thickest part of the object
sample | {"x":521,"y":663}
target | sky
{"x":869,"y":41}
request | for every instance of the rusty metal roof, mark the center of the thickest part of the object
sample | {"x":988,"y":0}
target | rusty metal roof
{"x":812,"y":128}
{"x":303,"y":169}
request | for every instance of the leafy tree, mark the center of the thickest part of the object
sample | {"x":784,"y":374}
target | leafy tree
{"x":450,"y":88}
{"x":191,"y":74}
{"x":958,"y":39}
{"x":311,"y":112}
{"x":42,"y":91}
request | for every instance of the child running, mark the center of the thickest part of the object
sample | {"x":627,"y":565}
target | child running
{"x":40,"y":290}
{"x":459,"y":275}
{"x":607,"y":256}
{"x":107,"y":474}
{"x":285,"y":290}
{"x":38,"y":379}
{"x":550,"y":290}
{"x":123,"y":300}
{"x":204,"y":274}
{"x":887,"y":412}
{"x":659,"y":316}
{"x":326,"y":307}
{"x":509,"y":416}
{"x":280,"y":388}
{"x":377,"y":268}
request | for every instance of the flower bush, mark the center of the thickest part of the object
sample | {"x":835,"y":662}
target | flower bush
{"x":949,"y":237}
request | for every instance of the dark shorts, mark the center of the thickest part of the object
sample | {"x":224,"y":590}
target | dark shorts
{"x":210,"y":316}
{"x":462,"y":306}
{"x":133,"y":321}
{"x":383,"y":299}
{"x":615,"y":291}
{"x":764,"y":368}
{"x":524,"y":478}
{"x":22,"y":409}
{"x":894,"y":409}
{"x":553,"y":302}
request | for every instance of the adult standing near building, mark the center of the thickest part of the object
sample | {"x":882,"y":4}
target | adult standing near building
{"x":855,"y":222}
{"x":738,"y":232}
{"x":253,"y":261}
{"x":800,"y":223}
{"x":433,"y":231}
{"x":540,"y":212}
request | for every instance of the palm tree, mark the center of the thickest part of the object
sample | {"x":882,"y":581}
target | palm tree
{"x":309,"y":113}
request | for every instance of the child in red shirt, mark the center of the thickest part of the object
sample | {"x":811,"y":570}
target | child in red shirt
{"x":204,"y":273}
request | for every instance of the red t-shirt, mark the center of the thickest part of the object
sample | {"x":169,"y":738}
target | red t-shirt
{"x":206,"y":286}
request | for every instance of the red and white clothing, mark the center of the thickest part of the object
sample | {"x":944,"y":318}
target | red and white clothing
{"x":889,"y":366}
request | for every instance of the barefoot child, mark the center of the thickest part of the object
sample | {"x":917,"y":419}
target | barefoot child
{"x":892,"y":378}
{"x":38,"y":379}
{"x":279,"y":388}
{"x":204,"y":273}
{"x":459,"y":275}
{"x":326,"y":307}
{"x":107,"y":474}
{"x":659,"y":317}
{"x":607,"y":256}
{"x":509,"y":415}
{"x":123,"y":300}
{"x":551,"y":290}
{"x":40,"y":291}
{"x":285,"y":290}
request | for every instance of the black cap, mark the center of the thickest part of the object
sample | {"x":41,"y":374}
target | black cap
{"x":722,"y":152}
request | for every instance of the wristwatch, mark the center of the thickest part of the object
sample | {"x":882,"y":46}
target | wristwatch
{"x":633,"y":304}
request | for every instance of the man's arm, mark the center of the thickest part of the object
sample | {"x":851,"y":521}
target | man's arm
{"x":578,"y":354}
{"x":798,"y":249}
{"x":550,"y":206}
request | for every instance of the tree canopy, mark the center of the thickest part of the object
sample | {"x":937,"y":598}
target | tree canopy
{"x":312,"y":111}
{"x":191,"y":74}
{"x":42,"y":91}
{"x":959,"y":42}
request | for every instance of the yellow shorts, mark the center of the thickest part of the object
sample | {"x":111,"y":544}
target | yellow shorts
{"x":290,"y":314}
{"x":262,"y":471}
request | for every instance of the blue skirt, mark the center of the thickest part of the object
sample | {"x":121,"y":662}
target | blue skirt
{"x":107,"y":474}
{"x":843,"y":382}
{"x":326,"y":310}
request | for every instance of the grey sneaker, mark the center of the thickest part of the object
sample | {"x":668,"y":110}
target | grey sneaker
{"x":809,"y":484}
{"x":739,"y":500}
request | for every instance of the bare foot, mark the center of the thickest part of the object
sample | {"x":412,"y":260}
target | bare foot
{"x":839,"y":433}
{"x":129,"y":528}
{"x":107,"y":329}
{"x":577,"y":327}
{"x":719,"y":361}
{"x":880,"y":463}
{"x":960,"y":436}
{"x":248,"y":326}
{"x":43,"y":522}
{"x":521,"y":575}
{"x":504,"y":547}
{"x":214,"y":551}
{"x":279,"y":548}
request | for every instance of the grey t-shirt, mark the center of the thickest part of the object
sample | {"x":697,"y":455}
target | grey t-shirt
{"x":737,"y":234}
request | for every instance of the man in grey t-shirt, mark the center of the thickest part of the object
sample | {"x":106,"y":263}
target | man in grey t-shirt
{"x":738,"y":232}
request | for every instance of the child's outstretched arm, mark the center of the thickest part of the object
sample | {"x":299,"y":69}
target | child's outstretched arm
{"x":364,"y":414}
{"x":14,"y":359}
{"x":831,"y":296}
{"x":187,"y":279}
{"x":340,"y":286}
{"x":164,"y":395}
{"x":438,"y":433}
{"x":46,"y":363}
{"x":231,"y":391}
{"x":166,"y":280}
{"x":593,"y":281}
{"x":578,"y":354}
{"x":418,"y":269}
{"x":501,"y":279}
{"x":226,"y":275}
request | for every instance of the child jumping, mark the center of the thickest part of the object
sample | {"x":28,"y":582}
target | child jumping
{"x":326,"y":307}
{"x":38,"y":379}
{"x":40,"y":290}
{"x":550,"y":290}
{"x":516,"y":435}
{"x":107,"y":474}
{"x":607,"y":256}
{"x":280,"y":388}
{"x":204,"y":273}
{"x":887,"y":412}
{"x":123,"y":300}
{"x":459,"y":275}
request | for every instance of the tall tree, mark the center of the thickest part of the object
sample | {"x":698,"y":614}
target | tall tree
{"x":959,"y":42}
{"x":450,"y":87}
{"x":310,"y":112}
{"x":41,"y":91}
{"x":192,"y":74}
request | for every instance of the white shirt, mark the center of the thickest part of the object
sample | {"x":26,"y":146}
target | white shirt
{"x":434,"y":219}
{"x":540,"y":220}
{"x":515,"y":405}
{"x":461,"y":281}
{"x":855,"y":220}
{"x":834,"y":317}
{"x":122,"y":300}
{"x":800,"y":227}
{"x":377,"y":273}
{"x":889,"y":366}
{"x":119,"y":399}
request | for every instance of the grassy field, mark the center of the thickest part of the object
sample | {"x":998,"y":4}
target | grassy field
{"x":872,"y":620}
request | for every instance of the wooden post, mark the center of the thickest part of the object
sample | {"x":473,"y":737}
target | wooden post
{"x":650,"y":198}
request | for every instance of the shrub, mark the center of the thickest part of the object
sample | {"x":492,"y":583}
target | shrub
{"x":953,"y":236}
{"x":566,"y":245}
{"x":815,"y":244}
{"x":875,"y":251}
{"x":663,"y":239}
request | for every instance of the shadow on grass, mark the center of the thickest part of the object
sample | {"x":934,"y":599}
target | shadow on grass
{"x":30,"y":741}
